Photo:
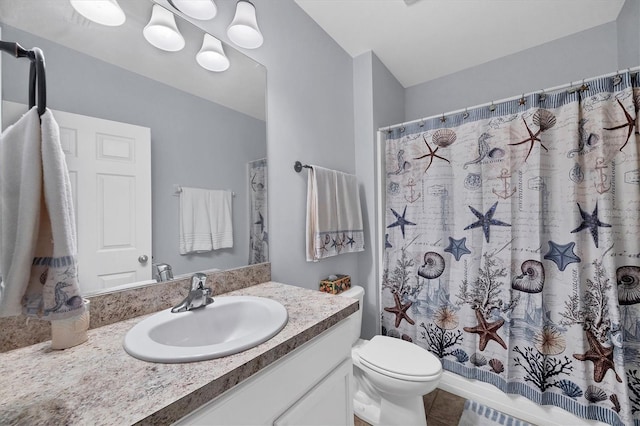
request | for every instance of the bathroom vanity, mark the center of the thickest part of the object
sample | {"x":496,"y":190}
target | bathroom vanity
{"x":311,"y":385}
{"x":302,"y":375}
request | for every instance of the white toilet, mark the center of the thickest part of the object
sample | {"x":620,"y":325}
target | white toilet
{"x":391,"y":375}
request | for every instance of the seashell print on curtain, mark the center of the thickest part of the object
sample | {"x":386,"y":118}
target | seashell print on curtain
{"x":512,"y":247}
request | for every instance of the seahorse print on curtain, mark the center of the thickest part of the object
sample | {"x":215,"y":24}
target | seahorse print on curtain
{"x":512,"y":246}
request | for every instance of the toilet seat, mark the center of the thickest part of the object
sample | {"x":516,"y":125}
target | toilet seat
{"x":399,"y":359}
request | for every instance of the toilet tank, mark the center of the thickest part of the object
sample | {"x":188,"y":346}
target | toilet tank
{"x":355,"y":292}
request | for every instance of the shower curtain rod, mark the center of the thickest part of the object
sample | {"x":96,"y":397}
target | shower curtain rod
{"x":512,"y":98}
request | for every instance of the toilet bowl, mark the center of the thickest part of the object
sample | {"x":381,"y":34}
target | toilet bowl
{"x":390,"y":376}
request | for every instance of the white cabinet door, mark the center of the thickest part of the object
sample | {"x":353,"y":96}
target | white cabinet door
{"x":110,"y":171}
{"x":328,"y":403}
{"x":317,"y":368}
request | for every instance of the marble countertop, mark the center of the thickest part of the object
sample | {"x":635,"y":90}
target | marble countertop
{"x":98,"y":383}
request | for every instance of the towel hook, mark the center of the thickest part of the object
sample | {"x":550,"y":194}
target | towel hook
{"x":465,"y":115}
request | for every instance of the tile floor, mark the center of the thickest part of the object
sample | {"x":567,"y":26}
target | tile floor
{"x":442,"y":408}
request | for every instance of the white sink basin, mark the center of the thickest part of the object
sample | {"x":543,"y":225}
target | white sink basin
{"x":230,"y":325}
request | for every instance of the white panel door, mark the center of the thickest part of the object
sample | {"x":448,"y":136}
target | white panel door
{"x":110,"y":170}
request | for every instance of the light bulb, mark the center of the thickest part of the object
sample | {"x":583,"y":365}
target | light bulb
{"x":244,"y":30}
{"x":211,"y":56}
{"x":162,"y":31}
{"x":198,"y":9}
{"x":104,"y":12}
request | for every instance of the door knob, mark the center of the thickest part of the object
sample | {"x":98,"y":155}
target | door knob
{"x":143,"y":259}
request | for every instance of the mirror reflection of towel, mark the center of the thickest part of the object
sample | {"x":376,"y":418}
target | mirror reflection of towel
{"x":334,"y":215}
{"x":205,"y":220}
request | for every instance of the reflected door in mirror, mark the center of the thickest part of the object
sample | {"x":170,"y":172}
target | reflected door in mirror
{"x":112,"y":165}
{"x":110,"y":172}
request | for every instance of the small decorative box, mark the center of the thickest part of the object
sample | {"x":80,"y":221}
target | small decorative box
{"x":335,"y":284}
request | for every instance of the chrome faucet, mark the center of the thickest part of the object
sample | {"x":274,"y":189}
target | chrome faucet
{"x":199,"y":296}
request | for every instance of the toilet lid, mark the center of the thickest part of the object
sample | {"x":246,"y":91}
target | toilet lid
{"x":399,"y":358}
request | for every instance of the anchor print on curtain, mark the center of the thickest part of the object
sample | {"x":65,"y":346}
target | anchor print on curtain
{"x":512,"y":247}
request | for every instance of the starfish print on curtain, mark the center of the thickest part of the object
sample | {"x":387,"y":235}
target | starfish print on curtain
{"x":400,"y":220}
{"x":600,"y":356}
{"x":431,"y":155}
{"x":400,"y":311}
{"x":486,"y":220}
{"x":457,"y":248}
{"x":630,"y":125}
{"x":487,"y":331}
{"x":533,"y":137}
{"x":562,"y":254}
{"x":591,"y":222}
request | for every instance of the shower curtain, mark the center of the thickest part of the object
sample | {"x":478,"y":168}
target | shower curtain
{"x":512,"y":246}
{"x":258,"y":232}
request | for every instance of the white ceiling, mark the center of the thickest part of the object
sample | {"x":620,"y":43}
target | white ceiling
{"x":428,"y":39}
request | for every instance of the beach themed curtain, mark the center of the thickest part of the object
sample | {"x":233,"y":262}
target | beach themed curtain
{"x":258,"y":232}
{"x":512,"y":246}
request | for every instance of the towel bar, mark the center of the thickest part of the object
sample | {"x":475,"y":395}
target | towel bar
{"x":298,"y":166}
{"x":177,"y":189}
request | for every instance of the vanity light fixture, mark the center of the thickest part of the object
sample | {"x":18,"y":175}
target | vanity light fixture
{"x":104,"y":12}
{"x":197,"y":9}
{"x":243,"y":30}
{"x":211,"y":56}
{"x":162,"y":31}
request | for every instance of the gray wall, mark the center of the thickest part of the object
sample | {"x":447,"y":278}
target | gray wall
{"x":378,"y":99}
{"x":364,"y":135}
{"x":192,"y":140}
{"x":309,"y":118}
{"x":583,"y":55}
{"x":629,"y":34}
{"x":388,"y":106}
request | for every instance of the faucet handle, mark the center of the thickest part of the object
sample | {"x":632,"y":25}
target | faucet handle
{"x":198,"y":281}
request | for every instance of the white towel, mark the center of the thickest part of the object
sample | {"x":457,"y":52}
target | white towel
{"x":205,"y":220}
{"x":38,"y":239}
{"x":334,"y":215}
{"x":20,"y":192}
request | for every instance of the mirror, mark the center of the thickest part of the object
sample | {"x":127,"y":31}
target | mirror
{"x":207,"y":129}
